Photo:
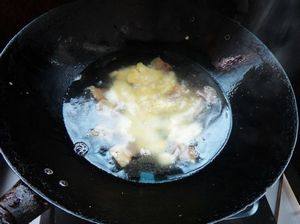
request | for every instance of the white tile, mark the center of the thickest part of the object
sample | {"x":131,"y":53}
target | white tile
{"x":36,"y":221}
{"x":289,"y":212}
{"x":271,"y":196}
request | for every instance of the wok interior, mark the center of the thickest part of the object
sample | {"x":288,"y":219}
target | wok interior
{"x":46,"y":57}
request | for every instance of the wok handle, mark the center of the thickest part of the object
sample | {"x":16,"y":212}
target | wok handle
{"x":21,"y":205}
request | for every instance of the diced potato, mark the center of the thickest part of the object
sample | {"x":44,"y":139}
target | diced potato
{"x":166,"y":159}
{"x":188,"y":153}
{"x":121,"y":154}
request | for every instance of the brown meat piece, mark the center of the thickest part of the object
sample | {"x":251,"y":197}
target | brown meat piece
{"x":97,"y":93}
{"x":159,"y":64}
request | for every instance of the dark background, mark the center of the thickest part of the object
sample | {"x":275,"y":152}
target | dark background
{"x":275,"y":22}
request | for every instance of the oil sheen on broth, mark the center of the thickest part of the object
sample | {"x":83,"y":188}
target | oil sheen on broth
{"x":148,"y":125}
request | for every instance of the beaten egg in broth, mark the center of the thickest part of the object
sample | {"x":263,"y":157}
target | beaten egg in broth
{"x":148,"y":125}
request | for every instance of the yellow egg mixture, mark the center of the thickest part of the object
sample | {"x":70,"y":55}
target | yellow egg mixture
{"x":161,"y":114}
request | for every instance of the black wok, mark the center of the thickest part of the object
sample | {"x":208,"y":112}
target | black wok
{"x":44,"y":58}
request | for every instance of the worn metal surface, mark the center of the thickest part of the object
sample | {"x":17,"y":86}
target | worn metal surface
{"x":6,"y":217}
{"x":20,"y":205}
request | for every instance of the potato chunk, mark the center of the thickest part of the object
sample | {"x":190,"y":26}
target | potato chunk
{"x":121,"y":154}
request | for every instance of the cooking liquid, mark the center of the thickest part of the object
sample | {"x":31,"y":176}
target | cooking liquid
{"x":86,"y":118}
